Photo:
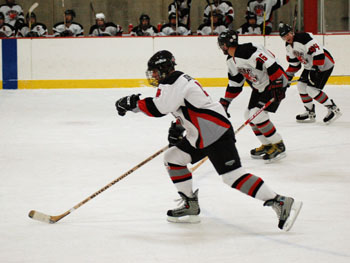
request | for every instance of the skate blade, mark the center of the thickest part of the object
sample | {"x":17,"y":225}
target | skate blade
{"x":307,"y":121}
{"x":191,"y":219}
{"x":279,"y":157}
{"x":338,"y":115}
{"x":294,"y":212}
{"x":257,"y":157}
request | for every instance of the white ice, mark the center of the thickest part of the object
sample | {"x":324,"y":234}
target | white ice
{"x":60,"y":146}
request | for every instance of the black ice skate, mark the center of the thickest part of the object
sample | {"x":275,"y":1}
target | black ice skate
{"x":333,"y":113}
{"x":188,"y":212}
{"x":276,"y":152}
{"x":259,"y":152}
{"x":308,"y":116}
{"x":287,"y":210}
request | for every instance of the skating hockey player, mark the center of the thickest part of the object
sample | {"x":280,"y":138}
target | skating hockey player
{"x":103,"y":28}
{"x":225,"y":8}
{"x":256,"y":65}
{"x":174,"y":28}
{"x":264,"y":10}
{"x":208,"y":133}
{"x":68,"y":28}
{"x":183,"y":8}
{"x":144,"y":28}
{"x":250,"y":27}
{"x":303,"y":49}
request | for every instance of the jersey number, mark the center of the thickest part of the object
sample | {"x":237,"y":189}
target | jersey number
{"x":261,"y":58}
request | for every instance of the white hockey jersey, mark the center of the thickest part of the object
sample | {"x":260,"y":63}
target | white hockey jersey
{"x":225,"y":8}
{"x":254,"y":64}
{"x":183,"y":11}
{"x":39,"y":29}
{"x":74,"y":29}
{"x":181,"y":95}
{"x":12,"y":13}
{"x":110,"y":29}
{"x":6,"y":30}
{"x":306,"y":51}
{"x":205,"y":29}
{"x":170,"y":30}
{"x":149,"y":31}
{"x":267,"y":6}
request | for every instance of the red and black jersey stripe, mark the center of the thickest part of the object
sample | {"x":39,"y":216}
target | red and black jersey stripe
{"x":148,"y":107}
{"x":293,"y":69}
{"x":275,"y":71}
{"x":232,"y":92}
{"x":318,"y":60}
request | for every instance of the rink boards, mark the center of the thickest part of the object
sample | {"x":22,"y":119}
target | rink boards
{"x":122,"y":61}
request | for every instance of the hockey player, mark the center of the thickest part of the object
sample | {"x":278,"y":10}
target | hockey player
{"x":13,"y":13}
{"x":37,"y":29}
{"x":6,"y":30}
{"x":250,"y":27}
{"x":183,"y":8}
{"x":173,"y":28}
{"x":144,"y":28}
{"x":264,"y":10}
{"x":318,"y":63}
{"x":225,"y":8}
{"x":256,"y":65}
{"x":68,"y":28}
{"x":208,"y":133}
{"x":103,"y":28}
{"x":218,"y":26}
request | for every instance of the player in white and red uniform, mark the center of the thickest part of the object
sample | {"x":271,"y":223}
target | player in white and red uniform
{"x":264,"y":10}
{"x":225,"y":8}
{"x":37,"y":29}
{"x":6,"y":30}
{"x":174,"y":29}
{"x":68,"y":28}
{"x":303,"y":49}
{"x":13,"y":13}
{"x":256,"y":65}
{"x":183,"y":8}
{"x":103,"y":28}
{"x":208,"y":133}
{"x":216,"y":28}
{"x":144,"y":28}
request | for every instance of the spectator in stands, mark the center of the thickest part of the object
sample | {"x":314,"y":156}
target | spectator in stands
{"x":183,"y":8}
{"x":250,"y":27}
{"x":6,"y":30}
{"x":225,"y":8}
{"x":103,"y":28}
{"x":68,"y":28}
{"x":36,"y":29}
{"x":213,"y":26}
{"x":263,"y":10}
{"x":174,"y":28}
{"x":144,"y":28}
{"x":13,"y":14}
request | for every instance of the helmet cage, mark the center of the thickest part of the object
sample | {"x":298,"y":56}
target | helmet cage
{"x":159,"y":67}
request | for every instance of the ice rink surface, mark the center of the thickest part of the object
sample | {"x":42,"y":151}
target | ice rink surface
{"x":60,"y":146}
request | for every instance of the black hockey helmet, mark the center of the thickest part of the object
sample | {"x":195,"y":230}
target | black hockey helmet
{"x":70,"y":12}
{"x":250,"y":15}
{"x":163,"y":62}
{"x":228,"y":38}
{"x":284,"y":29}
{"x":32,"y":15}
{"x":144,"y":17}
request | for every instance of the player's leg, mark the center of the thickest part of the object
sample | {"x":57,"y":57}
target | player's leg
{"x":225,"y":158}
{"x":176,"y":160}
{"x":309,"y":115}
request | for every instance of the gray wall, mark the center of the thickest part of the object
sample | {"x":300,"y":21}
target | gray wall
{"x":124,"y":12}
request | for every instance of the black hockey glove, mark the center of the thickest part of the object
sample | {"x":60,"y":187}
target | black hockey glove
{"x":66,"y":33}
{"x":313,"y":75}
{"x":225,"y":103}
{"x":18,"y":23}
{"x":127,"y":103}
{"x":277,"y":90}
{"x":176,"y":132}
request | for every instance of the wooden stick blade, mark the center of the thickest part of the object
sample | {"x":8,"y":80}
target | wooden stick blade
{"x":35,"y":5}
{"x":40,"y":217}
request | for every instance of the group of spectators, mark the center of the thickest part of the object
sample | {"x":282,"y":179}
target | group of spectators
{"x":217,"y":17}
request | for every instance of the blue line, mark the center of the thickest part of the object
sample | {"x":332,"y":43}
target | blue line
{"x":9,"y":64}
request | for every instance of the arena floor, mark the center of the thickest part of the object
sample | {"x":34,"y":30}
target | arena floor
{"x":60,"y":146}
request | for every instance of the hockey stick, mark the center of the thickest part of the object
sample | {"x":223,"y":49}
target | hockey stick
{"x":53,"y":219}
{"x":94,"y":16}
{"x":64,"y":16}
{"x":236,"y":131}
{"x":30,"y":11}
{"x":211,"y":18}
{"x":295,"y":16}
{"x":177,"y":18}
